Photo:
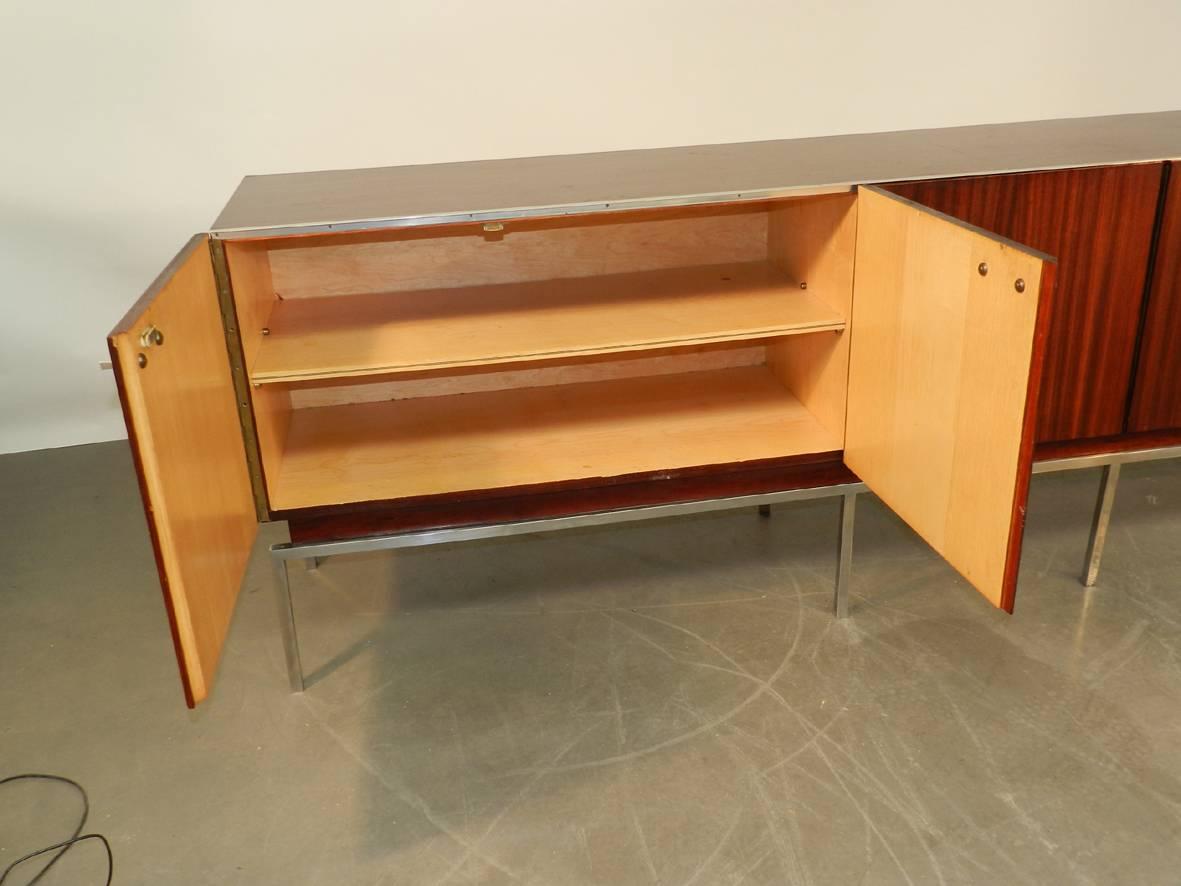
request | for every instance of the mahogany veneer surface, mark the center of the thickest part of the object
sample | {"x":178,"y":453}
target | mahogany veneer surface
{"x":567,"y":499}
{"x":1098,"y":223}
{"x":1156,"y":400}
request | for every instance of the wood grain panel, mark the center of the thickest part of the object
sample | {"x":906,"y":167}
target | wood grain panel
{"x":254,"y":301}
{"x":1156,"y":398}
{"x":1098,"y":223}
{"x":532,"y":249}
{"x":700,"y":173}
{"x":565,"y":499}
{"x":938,"y":380}
{"x":404,"y":448}
{"x":814,"y":241}
{"x":1105,"y":445}
{"x":571,"y":370}
{"x":183,"y":424}
{"x":387,"y":333}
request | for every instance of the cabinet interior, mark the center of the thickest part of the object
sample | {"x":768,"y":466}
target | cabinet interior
{"x":421,"y":361}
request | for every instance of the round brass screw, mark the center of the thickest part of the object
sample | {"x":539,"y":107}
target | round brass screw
{"x":803,"y":284}
{"x":983,"y":268}
{"x":142,"y":360}
{"x":266,"y":330}
{"x":1019,"y":284}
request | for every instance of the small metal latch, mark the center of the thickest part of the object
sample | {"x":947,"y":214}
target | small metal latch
{"x":151,"y":336}
{"x":493,"y":227}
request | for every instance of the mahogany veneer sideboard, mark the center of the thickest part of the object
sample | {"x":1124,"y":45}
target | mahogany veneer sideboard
{"x":1156,"y":398}
{"x":1098,"y":223}
{"x":376,"y":351}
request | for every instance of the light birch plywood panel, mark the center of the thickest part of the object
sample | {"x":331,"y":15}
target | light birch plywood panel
{"x":479,"y":325}
{"x":254,"y":299}
{"x":938,"y":380}
{"x":527,"y":249}
{"x":181,"y":413}
{"x":374,"y":451}
{"x":814,"y":241}
{"x":571,"y":370}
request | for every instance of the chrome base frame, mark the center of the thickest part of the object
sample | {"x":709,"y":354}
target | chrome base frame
{"x":1108,"y":482}
{"x":313,"y":553}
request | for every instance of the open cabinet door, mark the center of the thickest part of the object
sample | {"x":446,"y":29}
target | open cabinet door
{"x":948,"y":329}
{"x":173,"y":371}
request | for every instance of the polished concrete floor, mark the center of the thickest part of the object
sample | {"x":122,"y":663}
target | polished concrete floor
{"x":671,"y":703}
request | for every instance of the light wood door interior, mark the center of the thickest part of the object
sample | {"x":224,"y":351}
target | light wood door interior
{"x":394,"y":365}
{"x":185,"y":434}
{"x":942,"y":376}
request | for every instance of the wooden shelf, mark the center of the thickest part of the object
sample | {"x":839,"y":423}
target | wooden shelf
{"x":380,"y":334}
{"x":402,"y":448}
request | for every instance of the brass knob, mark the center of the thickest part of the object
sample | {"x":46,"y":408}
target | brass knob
{"x":151,"y":336}
{"x":1019,"y":284}
{"x":982,"y":268}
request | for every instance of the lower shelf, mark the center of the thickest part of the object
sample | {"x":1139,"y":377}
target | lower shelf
{"x":524,"y":436}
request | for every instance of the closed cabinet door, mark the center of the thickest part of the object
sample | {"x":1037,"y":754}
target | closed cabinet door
{"x":948,"y":331}
{"x":1098,"y":223}
{"x":173,"y":371}
{"x":1156,"y":398}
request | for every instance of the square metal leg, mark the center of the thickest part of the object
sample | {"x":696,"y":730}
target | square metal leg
{"x":287,"y":623}
{"x":845,"y":560}
{"x":1107,"y":487}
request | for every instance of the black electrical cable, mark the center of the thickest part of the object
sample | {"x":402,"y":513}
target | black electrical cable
{"x":63,"y":847}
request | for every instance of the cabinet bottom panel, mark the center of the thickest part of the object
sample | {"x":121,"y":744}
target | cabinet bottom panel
{"x":569,"y":498}
{"x":398,"y":449}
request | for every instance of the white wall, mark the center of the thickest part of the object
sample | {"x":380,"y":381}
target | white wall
{"x":125,"y":124}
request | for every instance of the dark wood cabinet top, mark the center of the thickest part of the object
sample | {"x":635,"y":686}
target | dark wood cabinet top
{"x":405,"y":196}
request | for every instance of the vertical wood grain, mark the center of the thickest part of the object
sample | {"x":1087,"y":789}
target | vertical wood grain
{"x":938,"y":381}
{"x":814,"y":241}
{"x":254,"y":299}
{"x":183,"y":425}
{"x":1156,"y":397}
{"x":1098,"y":223}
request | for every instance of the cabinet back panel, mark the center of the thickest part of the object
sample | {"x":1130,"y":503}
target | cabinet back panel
{"x":531,"y":375}
{"x":465,"y":255}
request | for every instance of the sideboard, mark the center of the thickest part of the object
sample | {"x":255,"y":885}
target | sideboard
{"x":426,"y":354}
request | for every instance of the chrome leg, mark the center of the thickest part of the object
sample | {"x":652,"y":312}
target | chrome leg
{"x":287,"y":623}
{"x":1107,"y":486}
{"x":764,"y":510}
{"x":845,"y":561}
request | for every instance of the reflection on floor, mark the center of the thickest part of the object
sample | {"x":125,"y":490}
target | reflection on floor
{"x":669,"y":703}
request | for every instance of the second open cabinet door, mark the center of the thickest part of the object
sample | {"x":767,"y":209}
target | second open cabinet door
{"x":947,"y":337}
{"x":170,"y":360}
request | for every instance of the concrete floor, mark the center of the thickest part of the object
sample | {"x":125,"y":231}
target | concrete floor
{"x":671,"y":703}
